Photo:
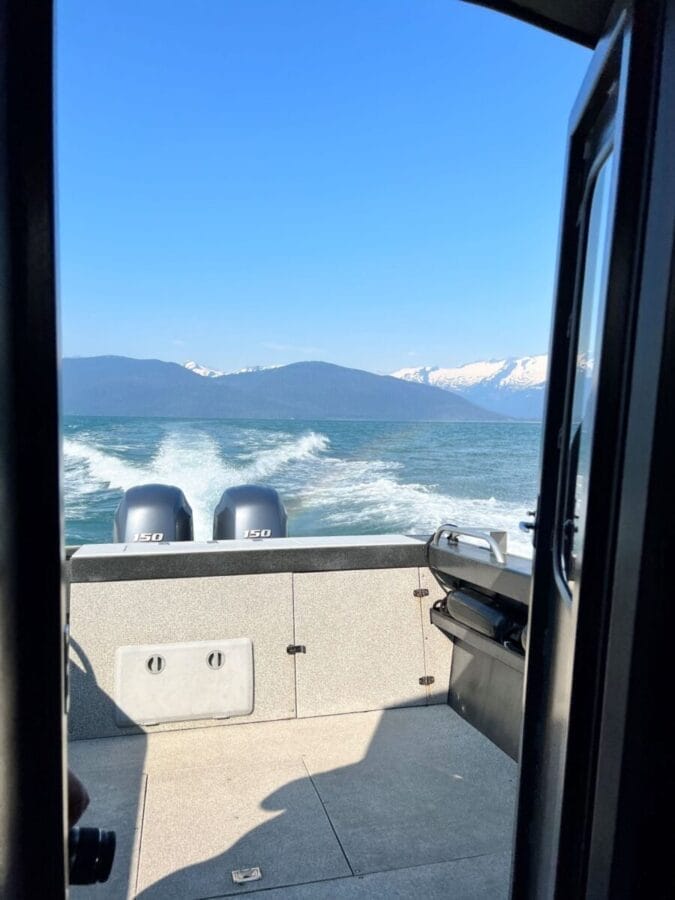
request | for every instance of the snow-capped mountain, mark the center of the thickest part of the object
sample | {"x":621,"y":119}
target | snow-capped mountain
{"x":202,"y":370}
{"x":512,"y":387}
{"x":215,"y":373}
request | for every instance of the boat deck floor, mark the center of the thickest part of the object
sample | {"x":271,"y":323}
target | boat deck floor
{"x":397,"y":803}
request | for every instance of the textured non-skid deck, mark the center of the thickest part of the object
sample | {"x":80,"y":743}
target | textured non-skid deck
{"x":399,"y":803}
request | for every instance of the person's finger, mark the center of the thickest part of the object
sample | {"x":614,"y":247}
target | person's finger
{"x":78,"y":798}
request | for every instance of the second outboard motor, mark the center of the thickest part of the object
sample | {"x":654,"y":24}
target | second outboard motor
{"x":249,"y":511}
{"x":152,"y":513}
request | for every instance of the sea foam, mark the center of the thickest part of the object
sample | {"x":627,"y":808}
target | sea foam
{"x":324,"y":493}
{"x":188,"y":459}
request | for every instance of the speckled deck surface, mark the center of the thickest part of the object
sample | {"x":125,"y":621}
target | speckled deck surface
{"x":397,"y":803}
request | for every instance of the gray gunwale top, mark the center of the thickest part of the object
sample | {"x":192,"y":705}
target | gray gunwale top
{"x":195,"y":559}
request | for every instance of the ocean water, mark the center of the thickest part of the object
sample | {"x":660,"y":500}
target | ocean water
{"x":334,"y":477}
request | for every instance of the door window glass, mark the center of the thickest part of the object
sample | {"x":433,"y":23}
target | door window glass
{"x":587,"y":362}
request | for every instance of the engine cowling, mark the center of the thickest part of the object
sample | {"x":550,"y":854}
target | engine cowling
{"x":249,"y":511}
{"x":150,"y":513}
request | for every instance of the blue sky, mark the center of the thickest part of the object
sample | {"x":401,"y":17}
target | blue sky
{"x":376,"y":184}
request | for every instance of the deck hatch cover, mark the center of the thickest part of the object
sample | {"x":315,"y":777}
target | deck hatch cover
{"x":180,"y":682}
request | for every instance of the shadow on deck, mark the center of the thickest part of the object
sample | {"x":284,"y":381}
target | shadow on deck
{"x":398,"y":803}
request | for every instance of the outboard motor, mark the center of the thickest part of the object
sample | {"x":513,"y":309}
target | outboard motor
{"x":249,"y":511}
{"x":152,"y":513}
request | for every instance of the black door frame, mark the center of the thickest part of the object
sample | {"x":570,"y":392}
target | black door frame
{"x":32,"y":748}
{"x":629,"y":849}
{"x":570,"y":849}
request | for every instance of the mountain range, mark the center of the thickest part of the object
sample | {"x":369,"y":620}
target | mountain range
{"x":120,"y":386}
{"x":511,"y":387}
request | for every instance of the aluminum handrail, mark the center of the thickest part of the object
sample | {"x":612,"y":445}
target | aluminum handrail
{"x":455,"y":531}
